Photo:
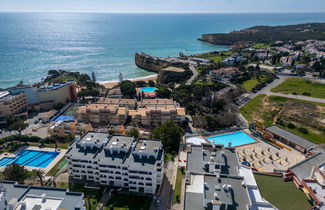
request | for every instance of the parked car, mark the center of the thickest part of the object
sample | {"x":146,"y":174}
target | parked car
{"x":158,"y":202}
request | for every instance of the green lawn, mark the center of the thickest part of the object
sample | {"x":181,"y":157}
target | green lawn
{"x":250,"y":84}
{"x":301,"y":86}
{"x":260,"y":46}
{"x":128,"y":202}
{"x":178,"y":186}
{"x":57,"y":167}
{"x":216,"y":58}
{"x":72,"y":110}
{"x":283,"y":195}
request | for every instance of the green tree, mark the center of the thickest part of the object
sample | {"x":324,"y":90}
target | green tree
{"x":93,"y":76}
{"x":15,"y":172}
{"x":40,"y":174}
{"x":88,"y":92}
{"x":128,"y":88}
{"x":151,"y":83}
{"x":163,"y":93}
{"x":133,"y":132}
{"x":170,"y":134}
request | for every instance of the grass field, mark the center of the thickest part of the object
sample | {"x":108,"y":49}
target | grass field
{"x":178,"y":186}
{"x":128,"y":202}
{"x":283,"y":195}
{"x":250,"y":84}
{"x":316,"y":138}
{"x":301,"y":86}
{"x":260,"y":45}
{"x":248,"y":109}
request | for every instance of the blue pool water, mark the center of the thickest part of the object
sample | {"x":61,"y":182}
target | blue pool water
{"x":237,"y":139}
{"x":31,"y":158}
{"x":66,"y":118}
{"x":148,"y":89}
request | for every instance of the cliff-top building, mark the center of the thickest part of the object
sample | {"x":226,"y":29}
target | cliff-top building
{"x":43,"y":98}
{"x":115,"y":160}
{"x":12,"y":104}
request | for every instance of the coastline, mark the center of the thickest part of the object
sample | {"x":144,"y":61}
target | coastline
{"x":111,"y":84}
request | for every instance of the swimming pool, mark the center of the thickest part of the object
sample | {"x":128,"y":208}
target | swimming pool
{"x":236,"y":139}
{"x":148,"y":89}
{"x":31,"y":158}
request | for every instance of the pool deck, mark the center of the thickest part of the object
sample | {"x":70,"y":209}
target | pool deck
{"x":62,"y":152}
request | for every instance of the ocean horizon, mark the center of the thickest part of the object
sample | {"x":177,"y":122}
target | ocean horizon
{"x":31,"y":43}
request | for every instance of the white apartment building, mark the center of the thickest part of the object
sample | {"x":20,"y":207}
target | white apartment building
{"x":116,"y":160}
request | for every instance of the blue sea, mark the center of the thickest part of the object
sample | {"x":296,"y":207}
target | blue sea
{"x":33,"y":43}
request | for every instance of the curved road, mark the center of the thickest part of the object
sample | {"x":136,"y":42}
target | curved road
{"x":195,"y":73}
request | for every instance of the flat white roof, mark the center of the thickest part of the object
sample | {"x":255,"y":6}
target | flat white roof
{"x":195,"y":140}
{"x":197,"y":184}
{"x":248,"y":175}
{"x":48,"y":203}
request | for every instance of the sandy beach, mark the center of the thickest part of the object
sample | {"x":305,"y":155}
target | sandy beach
{"x":111,"y":84}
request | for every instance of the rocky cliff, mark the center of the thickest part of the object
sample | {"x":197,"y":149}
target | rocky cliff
{"x":150,"y":63}
{"x":267,"y":34}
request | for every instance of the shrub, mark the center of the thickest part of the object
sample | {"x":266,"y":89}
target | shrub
{"x":291,"y":125}
{"x":306,"y":94}
{"x":303,"y":130}
{"x":294,"y":93}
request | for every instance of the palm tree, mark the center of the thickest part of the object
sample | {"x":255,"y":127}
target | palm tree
{"x":40,"y":174}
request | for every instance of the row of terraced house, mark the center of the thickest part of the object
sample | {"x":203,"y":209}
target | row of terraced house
{"x":148,"y":112}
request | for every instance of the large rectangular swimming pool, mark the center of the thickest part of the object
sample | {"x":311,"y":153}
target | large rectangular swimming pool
{"x":31,"y":158}
{"x":236,"y":139}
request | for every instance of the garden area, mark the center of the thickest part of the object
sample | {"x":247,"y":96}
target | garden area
{"x":92,"y":196}
{"x":283,"y":195}
{"x":178,"y":185}
{"x":301,"y":86}
{"x":128,"y":202}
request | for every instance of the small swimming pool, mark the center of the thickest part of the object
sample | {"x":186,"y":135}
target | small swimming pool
{"x":31,"y":158}
{"x":236,"y":139}
{"x":148,"y":89}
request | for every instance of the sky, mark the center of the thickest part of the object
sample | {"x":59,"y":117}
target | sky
{"x":166,"y":6}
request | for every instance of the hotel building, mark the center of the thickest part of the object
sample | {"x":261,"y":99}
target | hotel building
{"x":43,"y":98}
{"x":12,"y":104}
{"x":115,"y":160}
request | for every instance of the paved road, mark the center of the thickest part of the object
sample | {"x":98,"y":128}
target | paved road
{"x":195,"y":73}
